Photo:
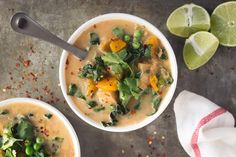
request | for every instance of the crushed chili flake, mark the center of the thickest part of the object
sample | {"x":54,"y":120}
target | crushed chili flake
{"x":17,"y":65}
{"x":26,"y":63}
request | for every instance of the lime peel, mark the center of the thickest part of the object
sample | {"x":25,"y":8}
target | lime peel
{"x":197,"y":49}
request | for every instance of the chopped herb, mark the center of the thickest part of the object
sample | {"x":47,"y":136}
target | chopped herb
{"x":72,"y":89}
{"x":92,"y":104}
{"x":117,"y":110}
{"x":124,"y":93}
{"x":132,"y":83}
{"x":99,"y":109}
{"x":162,"y":54}
{"x":147,"y":51}
{"x":137,"y":105}
{"x":156,"y":100}
{"x":164,"y":78}
{"x":122,"y":54}
{"x":118,"y":32}
{"x":137,"y":74}
{"x":95,"y":72}
{"x":3,"y":112}
{"x":106,"y":124}
{"x":79,"y":94}
{"x":94,"y":39}
{"x":48,"y":115}
{"x":112,"y":58}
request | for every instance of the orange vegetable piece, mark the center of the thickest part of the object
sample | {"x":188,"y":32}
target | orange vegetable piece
{"x":117,"y":45}
{"x":154,"y":41}
{"x":153,"y":81}
{"x":104,"y":46}
{"x":108,"y":84}
{"x":91,"y":87}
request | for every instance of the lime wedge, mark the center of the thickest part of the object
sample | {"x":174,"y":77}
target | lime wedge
{"x":199,"y":48}
{"x":188,"y":19}
{"x":223,"y":23}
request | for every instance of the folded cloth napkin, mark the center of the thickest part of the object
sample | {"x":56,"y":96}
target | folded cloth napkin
{"x":204,"y":128}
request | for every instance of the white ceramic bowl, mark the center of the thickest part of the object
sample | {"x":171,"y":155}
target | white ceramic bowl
{"x":52,"y":110}
{"x":112,"y":16}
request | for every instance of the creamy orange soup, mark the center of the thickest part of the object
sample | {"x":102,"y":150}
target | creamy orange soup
{"x":107,"y":98}
{"x":46,"y":128}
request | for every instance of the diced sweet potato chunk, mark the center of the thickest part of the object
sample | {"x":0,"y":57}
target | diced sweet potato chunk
{"x":117,"y":45}
{"x":108,"y":84}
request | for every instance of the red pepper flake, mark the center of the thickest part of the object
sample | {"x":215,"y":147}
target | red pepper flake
{"x":67,"y":62}
{"x":27,"y":63}
{"x":94,"y":26}
{"x":17,"y":65}
{"x":34,"y":76}
{"x":72,"y":73}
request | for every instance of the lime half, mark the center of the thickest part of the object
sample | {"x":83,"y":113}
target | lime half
{"x":199,"y":48}
{"x":188,"y":19}
{"x":223,"y":23}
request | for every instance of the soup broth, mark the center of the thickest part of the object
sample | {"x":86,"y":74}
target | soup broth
{"x":106,"y":98}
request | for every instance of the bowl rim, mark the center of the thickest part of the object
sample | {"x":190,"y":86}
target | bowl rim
{"x":55,"y":111}
{"x":120,"y":16}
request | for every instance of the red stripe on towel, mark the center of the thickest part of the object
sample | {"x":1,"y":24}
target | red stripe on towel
{"x":206,"y":119}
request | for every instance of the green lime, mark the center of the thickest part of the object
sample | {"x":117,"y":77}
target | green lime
{"x":223,"y":23}
{"x":188,"y":19}
{"x":199,"y":48}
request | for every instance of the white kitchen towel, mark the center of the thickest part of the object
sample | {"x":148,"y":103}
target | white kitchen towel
{"x":204,"y":128}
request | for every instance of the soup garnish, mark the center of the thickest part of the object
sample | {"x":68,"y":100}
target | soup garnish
{"x":20,"y":137}
{"x":123,"y":70}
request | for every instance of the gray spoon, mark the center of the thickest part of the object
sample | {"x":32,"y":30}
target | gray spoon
{"x":22,"y":23}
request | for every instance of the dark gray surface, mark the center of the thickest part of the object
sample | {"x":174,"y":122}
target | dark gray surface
{"x":216,"y":80}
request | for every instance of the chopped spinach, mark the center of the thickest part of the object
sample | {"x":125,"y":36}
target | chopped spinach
{"x":118,"y":32}
{"x":112,"y":58}
{"x":147,"y":51}
{"x":117,"y":110}
{"x":92,"y":104}
{"x":95,"y":72}
{"x":156,"y":100}
{"x":162,"y":54}
{"x":25,"y":129}
{"x":132,"y":83}
{"x":48,"y":115}
{"x":98,"y":109}
{"x":94,"y":39}
{"x":164,"y":78}
{"x":72,"y":89}
{"x":124,"y":93}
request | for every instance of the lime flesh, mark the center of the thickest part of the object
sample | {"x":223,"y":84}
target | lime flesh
{"x":199,"y":48}
{"x":188,"y":19}
{"x":223,"y":23}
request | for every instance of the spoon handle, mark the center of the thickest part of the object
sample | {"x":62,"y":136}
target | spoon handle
{"x":22,"y":23}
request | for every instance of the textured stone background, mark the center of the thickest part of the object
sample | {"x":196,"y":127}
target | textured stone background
{"x":216,"y":80}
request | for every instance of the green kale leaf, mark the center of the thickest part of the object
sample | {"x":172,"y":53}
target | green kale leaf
{"x":94,"y":39}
